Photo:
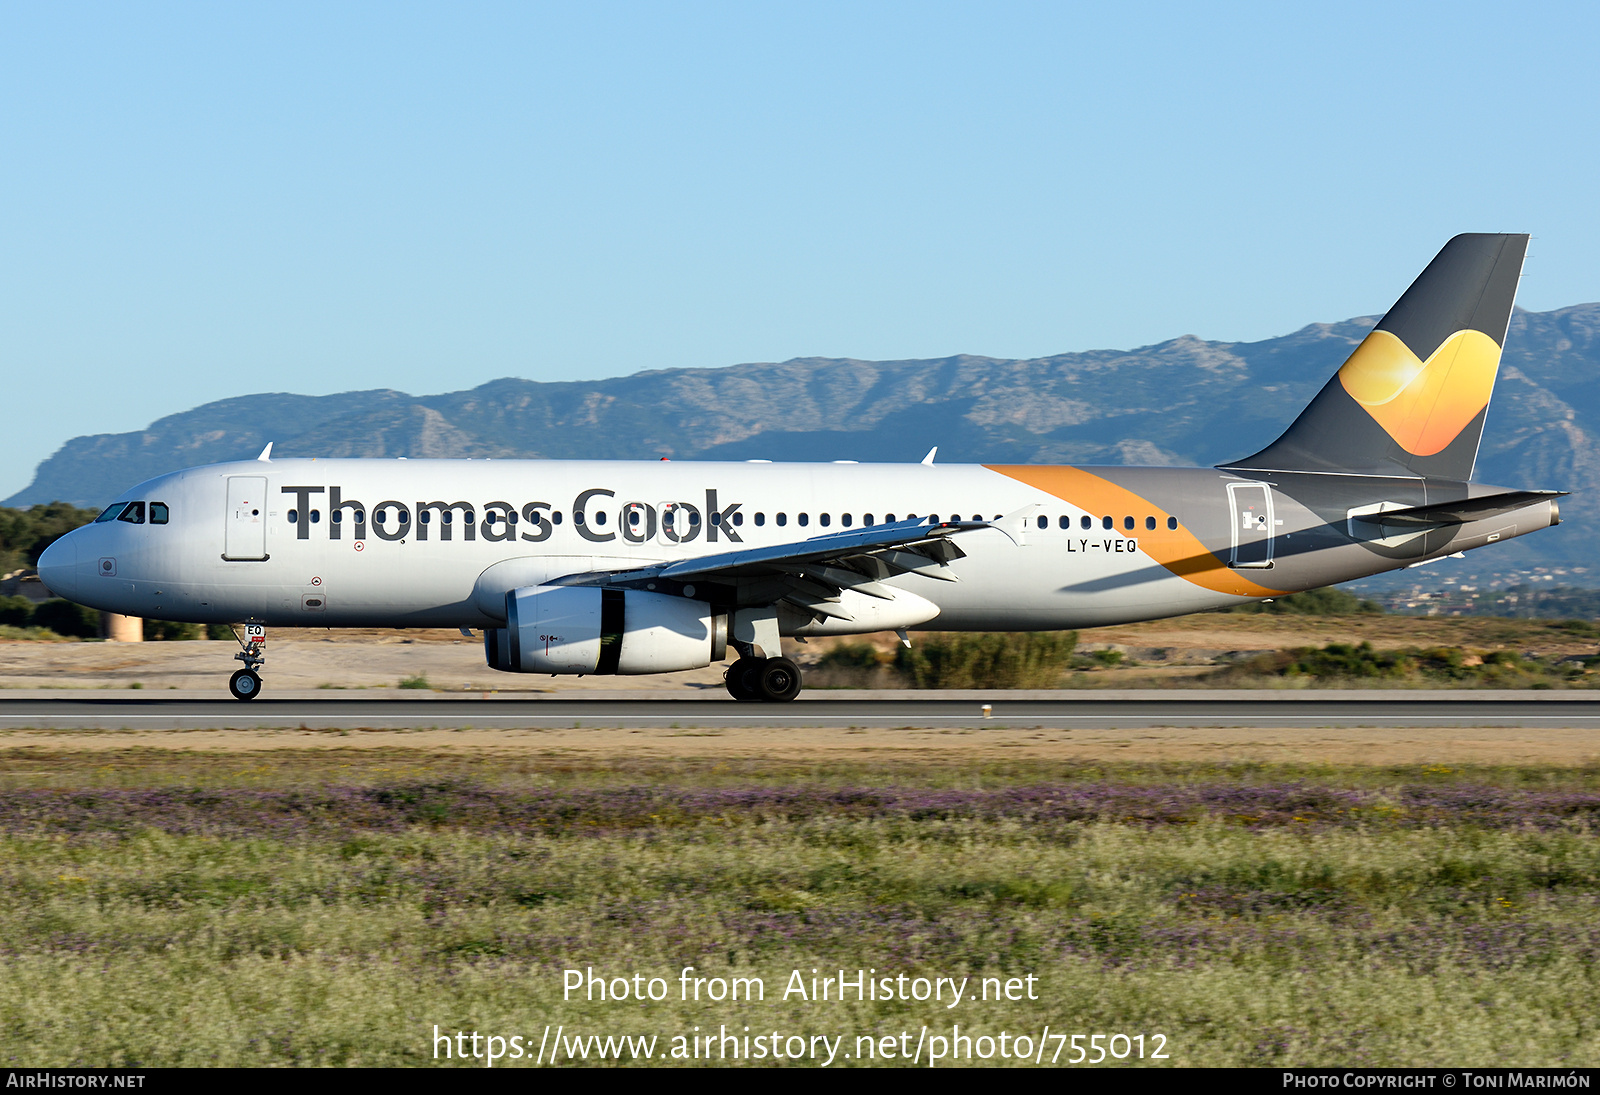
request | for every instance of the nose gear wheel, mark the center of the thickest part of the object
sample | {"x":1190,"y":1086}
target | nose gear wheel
{"x":244,"y":685}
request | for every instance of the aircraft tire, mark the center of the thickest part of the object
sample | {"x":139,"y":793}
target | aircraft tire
{"x":738,"y":680}
{"x":778,"y":679}
{"x":244,"y":685}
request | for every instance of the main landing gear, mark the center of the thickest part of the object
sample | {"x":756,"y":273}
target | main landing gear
{"x":245,"y":684}
{"x":773,"y":680}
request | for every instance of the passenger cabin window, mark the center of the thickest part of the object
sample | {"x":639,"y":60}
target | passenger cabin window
{"x":761,"y":519}
{"x":866,"y":519}
{"x":1150,"y":523}
{"x":738,"y":518}
{"x":1043,"y":522}
{"x":110,"y":513}
{"x":1086,"y":521}
{"x":783,"y":519}
{"x":1172,"y":522}
{"x":804,"y":519}
{"x":1065,"y":522}
{"x":1127,"y":523}
{"x":888,"y":518}
{"x":133,"y":513}
{"x":825,"y":520}
{"x":845,"y":520}
{"x":1106,"y":522}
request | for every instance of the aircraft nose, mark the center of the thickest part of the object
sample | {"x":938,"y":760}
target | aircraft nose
{"x":58,"y":567}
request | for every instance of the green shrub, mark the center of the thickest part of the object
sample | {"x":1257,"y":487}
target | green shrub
{"x":16,"y":612}
{"x":987,"y":659}
{"x":156,"y":631}
{"x":65,"y":618}
{"x":1314,"y":602}
{"x":853,"y":656}
{"x":419,"y":681}
{"x":220,"y":631}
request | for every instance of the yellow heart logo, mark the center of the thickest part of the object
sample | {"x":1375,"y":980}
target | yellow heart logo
{"x":1423,"y":405}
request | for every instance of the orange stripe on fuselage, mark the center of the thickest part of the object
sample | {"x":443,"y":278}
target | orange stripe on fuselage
{"x":1176,"y":549}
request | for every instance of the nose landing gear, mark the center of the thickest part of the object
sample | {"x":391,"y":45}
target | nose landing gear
{"x":245,"y":684}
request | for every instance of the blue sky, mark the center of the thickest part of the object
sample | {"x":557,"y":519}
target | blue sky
{"x":203,"y":201}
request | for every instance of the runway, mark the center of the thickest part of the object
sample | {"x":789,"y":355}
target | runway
{"x":399,"y":710}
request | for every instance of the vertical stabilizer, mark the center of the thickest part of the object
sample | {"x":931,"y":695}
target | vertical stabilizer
{"x":1413,"y":397}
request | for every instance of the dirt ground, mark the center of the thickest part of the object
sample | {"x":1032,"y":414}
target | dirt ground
{"x":1178,"y":648}
{"x":1374,"y":745}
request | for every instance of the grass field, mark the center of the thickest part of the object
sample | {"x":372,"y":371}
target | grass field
{"x":172,"y":908}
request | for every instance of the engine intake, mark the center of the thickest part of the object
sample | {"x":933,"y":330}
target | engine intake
{"x":589,"y":629}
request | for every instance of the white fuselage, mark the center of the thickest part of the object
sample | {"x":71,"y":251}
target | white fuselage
{"x":261,"y":541}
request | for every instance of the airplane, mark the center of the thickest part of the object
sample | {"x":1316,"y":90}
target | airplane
{"x":636,"y":567}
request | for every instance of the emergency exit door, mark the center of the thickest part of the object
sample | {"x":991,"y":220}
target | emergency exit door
{"x":1251,"y":507}
{"x":245,"y":536}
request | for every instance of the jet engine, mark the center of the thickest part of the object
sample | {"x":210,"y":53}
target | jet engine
{"x":596,"y":629}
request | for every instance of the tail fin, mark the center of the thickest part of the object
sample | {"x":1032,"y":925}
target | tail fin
{"x":1413,"y":397}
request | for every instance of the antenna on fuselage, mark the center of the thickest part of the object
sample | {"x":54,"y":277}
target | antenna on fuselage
{"x":266,"y":454}
{"x":928,"y":460}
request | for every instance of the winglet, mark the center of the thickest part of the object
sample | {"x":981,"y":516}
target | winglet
{"x":928,"y":460}
{"x":266,"y":454}
{"x":1014,"y":524}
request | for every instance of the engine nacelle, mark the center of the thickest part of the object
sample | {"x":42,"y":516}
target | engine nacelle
{"x":595,"y":629}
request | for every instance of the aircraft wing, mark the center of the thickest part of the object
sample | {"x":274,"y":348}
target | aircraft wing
{"x":811,"y":573}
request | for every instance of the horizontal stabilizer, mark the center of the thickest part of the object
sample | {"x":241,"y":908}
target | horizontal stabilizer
{"x":1459,"y":513}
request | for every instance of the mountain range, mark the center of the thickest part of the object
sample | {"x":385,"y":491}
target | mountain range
{"x":1184,"y":401}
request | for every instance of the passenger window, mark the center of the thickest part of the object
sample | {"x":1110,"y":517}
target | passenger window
{"x":1172,"y":522}
{"x":761,"y":519}
{"x":888,"y":518}
{"x":426,"y":516}
{"x":716,"y":518}
{"x":738,"y":518}
{"x":805,"y":519}
{"x":294,"y":517}
{"x":1086,"y":521}
{"x":783,"y":519}
{"x":1065,"y":522}
{"x":1127,"y":523}
{"x":158,"y":513}
{"x":316,"y":516}
{"x":1043,"y":522}
{"x":133,"y":513}
{"x":866,"y":519}
{"x":1106,"y":522}
{"x":555,"y":516}
{"x":825,"y":520}
{"x":599,"y":517}
{"x":845,"y":520}
{"x":1150,"y":523}
{"x":694,"y":518}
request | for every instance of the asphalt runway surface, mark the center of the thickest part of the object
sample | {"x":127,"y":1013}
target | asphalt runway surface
{"x":128,"y":710}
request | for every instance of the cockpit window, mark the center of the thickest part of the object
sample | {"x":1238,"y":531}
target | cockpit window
{"x":110,"y":512}
{"x":158,"y":513}
{"x":133,"y":513}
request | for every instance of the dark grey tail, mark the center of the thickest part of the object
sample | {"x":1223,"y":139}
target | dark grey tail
{"x":1413,"y":397}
